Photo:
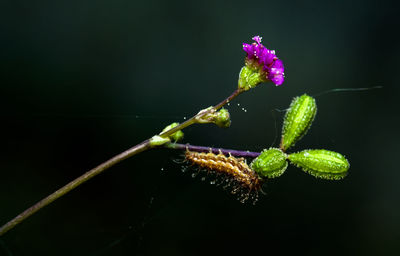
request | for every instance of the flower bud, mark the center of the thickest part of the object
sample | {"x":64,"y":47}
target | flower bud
{"x":223,"y":119}
{"x":270,"y":163}
{"x":176,"y":136}
{"x":210,"y":115}
{"x":157,"y":140}
{"x":321,"y":163}
{"x":249,"y":78}
{"x":298,"y":120}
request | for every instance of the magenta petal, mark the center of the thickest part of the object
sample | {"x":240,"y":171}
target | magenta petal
{"x":277,"y":79}
{"x":258,"y":50}
{"x":257,"y":39}
{"x":253,"y":51}
{"x":248,"y":48}
{"x":278,"y":64}
{"x":276,"y":72}
{"x":268,"y":57}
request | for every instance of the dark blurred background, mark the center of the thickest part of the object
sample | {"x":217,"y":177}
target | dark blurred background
{"x":84,"y":80}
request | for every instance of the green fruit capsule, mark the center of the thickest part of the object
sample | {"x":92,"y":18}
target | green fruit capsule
{"x":321,"y":163}
{"x":298,"y":120}
{"x":270,"y":163}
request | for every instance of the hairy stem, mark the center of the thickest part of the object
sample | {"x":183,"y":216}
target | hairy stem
{"x":145,"y":145}
{"x":236,"y":153}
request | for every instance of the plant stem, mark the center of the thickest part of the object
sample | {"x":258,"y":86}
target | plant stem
{"x":192,"y":120}
{"x":230,"y":98}
{"x":236,"y":153}
{"x":145,"y":145}
{"x":75,"y":183}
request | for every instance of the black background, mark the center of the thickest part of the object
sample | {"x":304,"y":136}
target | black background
{"x":84,"y":80}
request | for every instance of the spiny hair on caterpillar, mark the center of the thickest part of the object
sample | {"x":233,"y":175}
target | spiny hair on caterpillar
{"x":229,"y":172}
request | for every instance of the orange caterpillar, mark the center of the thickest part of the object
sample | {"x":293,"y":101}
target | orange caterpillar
{"x":234,"y":169}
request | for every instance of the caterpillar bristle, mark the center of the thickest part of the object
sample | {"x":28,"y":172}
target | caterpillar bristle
{"x":230,"y":172}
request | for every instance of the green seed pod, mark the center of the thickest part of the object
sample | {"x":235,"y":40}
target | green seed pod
{"x":298,"y":120}
{"x":321,"y":163}
{"x":222,"y":118}
{"x":270,"y":163}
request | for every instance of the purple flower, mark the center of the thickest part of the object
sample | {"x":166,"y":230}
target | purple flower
{"x":257,"y":39}
{"x":265,"y":60}
{"x":275,"y":72}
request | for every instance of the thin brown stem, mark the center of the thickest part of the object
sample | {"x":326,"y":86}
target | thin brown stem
{"x":75,"y":183}
{"x":104,"y":166}
{"x":192,"y":120}
{"x":230,"y":98}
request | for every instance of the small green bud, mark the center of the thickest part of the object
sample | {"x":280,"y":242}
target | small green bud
{"x":223,"y":118}
{"x":210,"y":115}
{"x":298,"y":120}
{"x":270,"y":163}
{"x":176,"y":136}
{"x":249,"y":78}
{"x":157,"y":140}
{"x":321,"y":163}
{"x":205,"y":116}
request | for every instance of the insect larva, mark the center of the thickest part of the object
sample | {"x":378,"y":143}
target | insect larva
{"x":235,"y":170}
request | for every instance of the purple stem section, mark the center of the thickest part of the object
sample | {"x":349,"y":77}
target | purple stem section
{"x":235,"y":153}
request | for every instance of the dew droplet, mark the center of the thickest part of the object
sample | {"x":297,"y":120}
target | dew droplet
{"x":255,"y":201}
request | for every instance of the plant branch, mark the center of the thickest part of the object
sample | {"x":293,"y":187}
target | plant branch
{"x":229,"y":99}
{"x":236,"y":153}
{"x":75,"y":183}
{"x":192,"y":120}
{"x":145,"y":145}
